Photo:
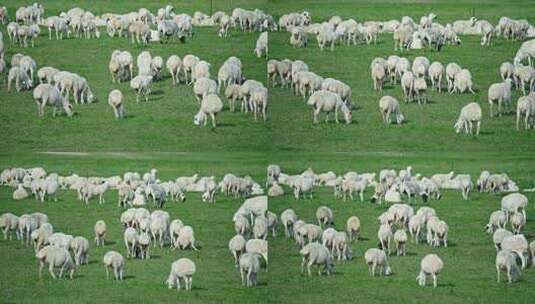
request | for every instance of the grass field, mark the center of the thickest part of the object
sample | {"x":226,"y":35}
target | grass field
{"x":161,"y":134}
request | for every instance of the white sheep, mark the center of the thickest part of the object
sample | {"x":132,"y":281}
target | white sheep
{"x":141,"y":85}
{"x":507,"y":70}
{"x":188,"y":63}
{"x":517,"y":222}
{"x":262,"y":45}
{"x":20,"y":193}
{"x":376,"y":257}
{"x":130,"y":241}
{"x":288,"y":218}
{"x":80,"y":247}
{"x":451,"y":70}
{"x":463,"y":82}
{"x":100,"y":230}
{"x":385,"y":236}
{"x":526,"y":50}
{"x":259,"y":247}
{"x":353,"y":228}
{"x":144,"y":245}
{"x":236,"y":246}
{"x":211,"y":105}
{"x":181,"y":269}
{"x":174,"y":65}
{"x":497,"y":220}
{"x":55,"y":257}
{"x":525,"y":106}
{"x":114,"y":260}
{"x":229,"y":73}
{"x":378,"y":73}
{"x":499,"y":93}
{"x":46,"y":74}
{"x":514,"y":202}
{"x":524,"y":75}
{"x":9,"y":222}
{"x":115,"y":100}
{"x":200,"y":70}
{"x":435,"y":71}
{"x":316,"y":254}
{"x":275,"y":190}
{"x":324,"y":216}
{"x":249,"y":267}
{"x":328,"y":102}
{"x":21,"y":79}
{"x":186,"y":238}
{"x":498,"y":236}
{"x":388,"y":106}
{"x":506,"y":261}
{"x":431,"y":265}
{"x":400,"y":238}
{"x":517,"y":244}
{"x":260,"y":228}
{"x":470,"y":114}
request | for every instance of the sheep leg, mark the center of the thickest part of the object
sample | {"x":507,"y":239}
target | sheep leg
{"x":51,"y":270}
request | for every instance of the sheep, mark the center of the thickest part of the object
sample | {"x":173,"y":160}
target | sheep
{"x":141,"y":84}
{"x":236,"y":246}
{"x":249,"y":266}
{"x":507,"y":71}
{"x":407,"y":85}
{"x":229,"y":73}
{"x":385,"y":236}
{"x":438,"y":231}
{"x":114,"y":260}
{"x":517,"y":244}
{"x":499,"y":235}
{"x":262,"y":45}
{"x":310,"y":80}
{"x":298,"y":37}
{"x":338,"y":87}
{"x":526,"y":50}
{"x":260,"y":228}
{"x":181,"y":269}
{"x":284,"y":71}
{"x":275,"y":190}
{"x":200,"y":70}
{"x":288,"y":218}
{"x":46,"y":74}
{"x":47,"y":94}
{"x":388,"y":106}
{"x":376,"y":257}
{"x":506,"y":261}
{"x":204,"y":86}
{"x":100,"y":232}
{"x":497,"y":220}
{"x":174,"y":65}
{"x":402,"y":37}
{"x":517,"y":223}
{"x":55,"y":257}
{"x":186,"y":238}
{"x":258,"y":246}
{"x":462,"y":82}
{"x":272,"y":221}
{"x":60,"y":240}
{"x":419,"y":87}
{"x":156,"y":67}
{"x":353,"y":228}
{"x":121,"y":65}
{"x":328,"y":102}
{"x":378,"y":73}
{"x":115,"y":100}
{"x":470,"y":114}
{"x":499,"y":93}
{"x":340,"y":248}
{"x":259,"y":100}
{"x":20,"y":193}
{"x":522,"y":75}
{"x":435,"y":71}
{"x":9,"y":222}
{"x":400,"y":238}
{"x":327,"y":238}
{"x":211,"y":105}
{"x":316,"y":254}
{"x":451,"y":71}
{"x":40,"y":236}
{"x":21,"y":79}
{"x":514,"y":202}
{"x":130,"y":241}
{"x":324,"y":215}
{"x":80,"y":248}
{"x":525,"y":106}
{"x":351,"y":186}
{"x":431,"y":265}
{"x":188,"y":64}
{"x":532,"y":253}
{"x":144,"y":245}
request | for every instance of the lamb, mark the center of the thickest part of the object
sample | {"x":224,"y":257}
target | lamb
{"x":388,"y":106}
{"x":517,"y":244}
{"x":499,"y":93}
{"x":328,"y":102}
{"x":80,"y":247}
{"x":9,"y":222}
{"x":47,"y":94}
{"x":141,"y":85}
{"x":115,"y":100}
{"x":498,"y":236}
{"x":517,"y":223}
{"x":376,"y":257}
{"x":378,"y":72}
{"x":55,"y":257}
{"x":262,"y":45}
{"x":451,"y":70}
{"x":249,"y":267}
{"x":435,"y":71}
{"x":497,"y":220}
{"x":525,"y":106}
{"x":431,"y":265}
{"x":236,"y":246}
{"x":20,"y":193}
{"x":186,"y":238}
{"x":258,"y":246}
{"x":114,"y":260}
{"x":462,"y":82}
{"x":470,"y":114}
{"x":506,"y":261}
{"x":324,"y":215}
{"x":211,"y":105}
{"x":100,"y":232}
{"x":385,"y":236}
{"x":400,"y":238}
{"x":288,"y":218}
{"x":316,"y":254}
{"x":181,"y":269}
{"x":21,"y":79}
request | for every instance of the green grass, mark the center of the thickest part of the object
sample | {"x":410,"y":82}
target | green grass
{"x":161,"y":134}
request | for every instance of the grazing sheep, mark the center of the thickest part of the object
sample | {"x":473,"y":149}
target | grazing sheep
{"x":46,"y":74}
{"x":526,"y":50}
{"x":497,"y":220}
{"x":288,"y":218}
{"x":514,"y":202}
{"x":400,"y":238}
{"x":517,"y":223}
{"x":259,"y":247}
{"x":21,"y":79}
{"x":506,"y":261}
{"x":40,"y":236}
{"x":262,"y":45}
{"x":115,"y":100}
{"x":435,"y":71}
{"x":80,"y":247}
{"x":144,"y":245}
{"x":275,"y":190}
{"x":186,"y":238}
{"x":431,"y":265}
{"x":260,"y":228}
{"x":249,"y":267}
{"x":188,"y":63}
{"x":47,"y":94}
{"x":200,"y":70}
{"x":378,"y":72}
{"x":174,"y":65}
{"x":174,"y":231}
{"x":100,"y":232}
{"x":498,"y":236}
{"x":451,"y":70}
{"x":525,"y":106}
{"x":507,"y":71}
{"x":130,"y":241}
{"x":114,"y":260}
{"x":388,"y":106}
{"x":9,"y":222}
{"x":236,"y":246}
{"x":419,"y":87}
{"x":385,"y":236}
{"x":181,"y":269}
{"x":316,"y":254}
{"x":259,"y":100}
{"x":470,"y":114}
{"x":340,"y":247}
{"x":524,"y":75}
{"x":20,"y":193}
{"x":328,"y":102}
{"x":211,"y":105}
{"x":462,"y":82}
{"x":353,"y":228}
{"x":376,"y":257}
{"x":517,"y":244}
{"x":499,"y":93}
{"x":324,"y":215}
{"x":141,"y":84}
{"x":55,"y":257}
